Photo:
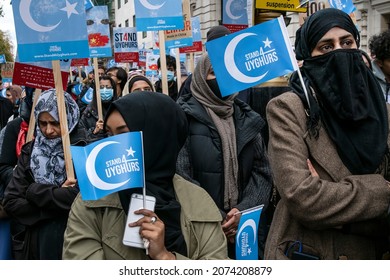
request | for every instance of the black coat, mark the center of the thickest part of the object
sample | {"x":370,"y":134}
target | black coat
{"x":201,"y":159}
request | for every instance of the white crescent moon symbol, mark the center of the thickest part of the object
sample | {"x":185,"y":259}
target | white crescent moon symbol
{"x":91,"y":172}
{"x":229,"y":12}
{"x":249,"y":223}
{"x":149,"y":6}
{"x":229,"y":60}
{"x":24,"y":9}
{"x":88,"y":95}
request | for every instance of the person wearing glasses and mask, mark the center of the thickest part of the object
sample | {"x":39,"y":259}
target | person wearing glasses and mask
{"x":119,"y":75}
{"x":89,"y":120}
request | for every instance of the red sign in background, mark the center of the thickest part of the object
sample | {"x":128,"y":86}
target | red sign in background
{"x":79,"y":62}
{"x":196,"y":47}
{"x":126,"y":57}
{"x":36,"y":77}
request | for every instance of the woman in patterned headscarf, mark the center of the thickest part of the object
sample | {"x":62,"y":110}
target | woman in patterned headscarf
{"x":39,"y":195}
{"x":329,"y":150}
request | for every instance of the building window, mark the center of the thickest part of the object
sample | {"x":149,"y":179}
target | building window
{"x":119,"y":4}
{"x":126,"y":23}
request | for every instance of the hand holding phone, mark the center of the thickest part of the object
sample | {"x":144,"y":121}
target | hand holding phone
{"x":131,"y":235}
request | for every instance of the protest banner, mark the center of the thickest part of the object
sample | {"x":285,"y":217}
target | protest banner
{"x":125,"y":44}
{"x":7,"y":71}
{"x":42,"y":30}
{"x":2,"y":59}
{"x":196,"y":38}
{"x":161,"y":15}
{"x":252,"y":56}
{"x":109,"y":165}
{"x":235,"y":14}
{"x":180,"y":37}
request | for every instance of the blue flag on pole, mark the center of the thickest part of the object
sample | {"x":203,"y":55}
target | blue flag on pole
{"x":109,"y":165}
{"x":346,"y":6}
{"x":252,"y":56}
{"x":247,"y":234}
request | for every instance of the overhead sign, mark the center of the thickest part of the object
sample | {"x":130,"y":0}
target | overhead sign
{"x":281,"y":5}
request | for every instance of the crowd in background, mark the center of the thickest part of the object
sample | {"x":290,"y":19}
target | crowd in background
{"x":321,"y":171}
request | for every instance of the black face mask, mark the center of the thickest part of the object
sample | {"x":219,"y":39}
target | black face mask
{"x":215,"y":88}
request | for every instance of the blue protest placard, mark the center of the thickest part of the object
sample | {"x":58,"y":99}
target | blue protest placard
{"x":235,"y":12}
{"x":50,"y":30}
{"x":125,"y":44}
{"x":98,"y":27}
{"x":247,"y":234}
{"x":346,"y":6}
{"x":109,"y":165}
{"x":161,"y":15}
{"x":252,"y":56}
{"x":88,"y":4}
{"x":2,"y":59}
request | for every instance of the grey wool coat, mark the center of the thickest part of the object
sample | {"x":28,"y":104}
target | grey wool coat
{"x":333,"y":216}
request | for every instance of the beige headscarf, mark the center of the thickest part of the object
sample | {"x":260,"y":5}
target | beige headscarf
{"x":221,"y":113}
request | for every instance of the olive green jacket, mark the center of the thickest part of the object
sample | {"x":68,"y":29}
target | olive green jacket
{"x":95,"y":228}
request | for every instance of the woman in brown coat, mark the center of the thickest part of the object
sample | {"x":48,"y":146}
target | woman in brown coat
{"x":329,"y":150}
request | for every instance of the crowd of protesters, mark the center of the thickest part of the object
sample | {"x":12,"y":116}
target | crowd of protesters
{"x":322,"y":173}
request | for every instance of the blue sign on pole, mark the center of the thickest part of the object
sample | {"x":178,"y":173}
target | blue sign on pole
{"x":161,"y":15}
{"x":50,"y":30}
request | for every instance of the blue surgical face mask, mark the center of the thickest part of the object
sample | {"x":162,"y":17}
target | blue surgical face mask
{"x":106,"y":94}
{"x":170,"y":76}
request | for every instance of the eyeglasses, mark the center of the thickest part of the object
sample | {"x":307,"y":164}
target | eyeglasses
{"x":111,"y":75}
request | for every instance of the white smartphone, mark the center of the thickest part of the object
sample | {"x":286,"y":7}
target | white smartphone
{"x":131,"y":235}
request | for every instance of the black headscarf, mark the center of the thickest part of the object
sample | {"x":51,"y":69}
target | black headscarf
{"x":315,"y":26}
{"x":348,"y":99}
{"x":164,"y":127}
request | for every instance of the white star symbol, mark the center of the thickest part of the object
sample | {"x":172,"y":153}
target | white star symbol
{"x":130,"y":152}
{"x":70,"y":9}
{"x":195,"y":30}
{"x":249,"y":251}
{"x":267,"y":43}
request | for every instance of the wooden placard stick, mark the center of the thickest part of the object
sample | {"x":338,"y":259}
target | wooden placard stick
{"x":31,"y":124}
{"x":63,"y":120}
{"x":163,"y":62}
{"x":97,"y":89}
{"x":178,"y":69}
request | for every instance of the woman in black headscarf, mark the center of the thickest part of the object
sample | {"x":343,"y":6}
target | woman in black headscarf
{"x":329,"y":150}
{"x":182,"y":229}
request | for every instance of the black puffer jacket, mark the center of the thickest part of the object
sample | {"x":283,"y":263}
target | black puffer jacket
{"x":201,"y":159}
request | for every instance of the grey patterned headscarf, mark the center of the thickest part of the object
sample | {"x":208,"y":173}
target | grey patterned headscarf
{"x":47,"y":157}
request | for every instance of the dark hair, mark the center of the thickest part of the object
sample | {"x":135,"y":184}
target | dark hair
{"x":120,"y":74}
{"x":171,"y":61}
{"x":379,"y":45}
